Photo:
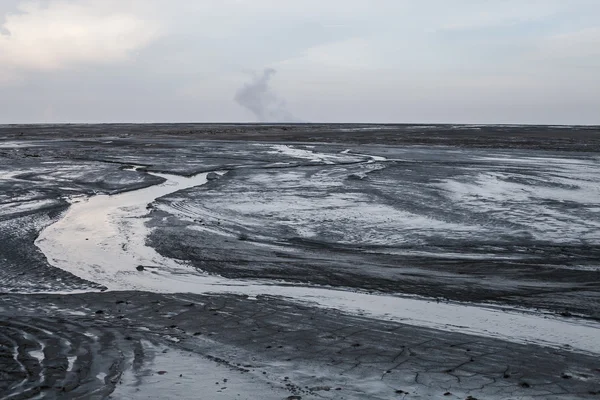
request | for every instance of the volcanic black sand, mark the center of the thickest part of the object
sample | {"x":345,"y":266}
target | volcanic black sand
{"x":249,"y":283}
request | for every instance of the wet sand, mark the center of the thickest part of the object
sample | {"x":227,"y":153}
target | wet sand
{"x":343,"y":262}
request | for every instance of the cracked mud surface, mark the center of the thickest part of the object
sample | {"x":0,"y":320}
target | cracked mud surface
{"x":279,"y":346}
{"x":503,"y":216}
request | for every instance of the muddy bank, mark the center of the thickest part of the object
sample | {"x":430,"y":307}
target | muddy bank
{"x":88,"y":342}
{"x":505,"y":227}
{"x":508,"y":215}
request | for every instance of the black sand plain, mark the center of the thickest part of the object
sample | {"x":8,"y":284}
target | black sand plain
{"x":281,"y":216}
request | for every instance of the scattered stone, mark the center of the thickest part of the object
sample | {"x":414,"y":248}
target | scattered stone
{"x":566,"y":314}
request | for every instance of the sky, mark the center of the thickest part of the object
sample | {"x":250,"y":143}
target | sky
{"x":388,"y":61}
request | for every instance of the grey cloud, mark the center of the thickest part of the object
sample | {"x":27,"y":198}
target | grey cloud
{"x":258,"y":97}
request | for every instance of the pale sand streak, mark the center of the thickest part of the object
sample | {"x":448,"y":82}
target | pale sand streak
{"x":102,"y":239}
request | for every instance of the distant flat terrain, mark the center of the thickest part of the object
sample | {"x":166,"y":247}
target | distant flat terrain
{"x":316,"y":261}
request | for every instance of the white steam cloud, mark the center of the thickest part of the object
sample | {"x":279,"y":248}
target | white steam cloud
{"x":259,"y":98}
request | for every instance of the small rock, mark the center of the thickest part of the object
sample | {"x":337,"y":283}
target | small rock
{"x":212,"y":176}
{"x":294,"y":398}
{"x":525,"y":385}
{"x":100,"y":312}
{"x":447,"y":394}
{"x":566,"y":314}
{"x":140,"y":267}
{"x":161,"y":372}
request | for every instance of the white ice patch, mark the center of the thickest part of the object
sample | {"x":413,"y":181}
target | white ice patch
{"x":26,"y":206}
{"x":305,"y":154}
{"x":535,"y":201}
{"x":38,"y":355}
{"x":71,"y":361}
{"x":18,"y":145}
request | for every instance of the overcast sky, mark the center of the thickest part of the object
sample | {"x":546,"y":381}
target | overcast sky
{"x":459,"y":61}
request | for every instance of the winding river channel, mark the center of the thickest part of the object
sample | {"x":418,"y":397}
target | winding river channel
{"x":103,"y":239}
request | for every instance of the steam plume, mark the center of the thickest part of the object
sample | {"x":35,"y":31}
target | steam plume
{"x":260,"y":99}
